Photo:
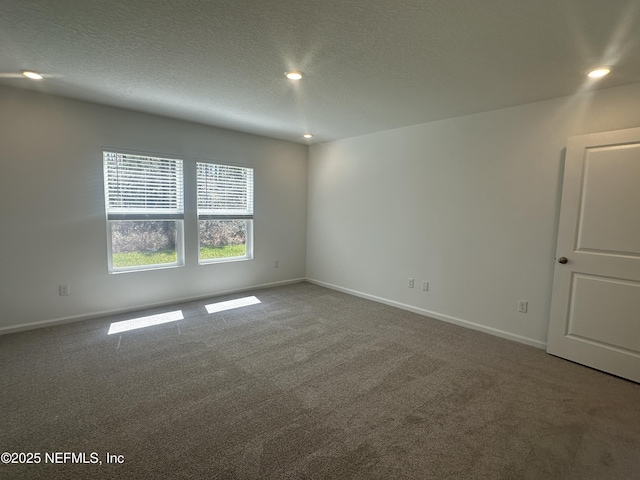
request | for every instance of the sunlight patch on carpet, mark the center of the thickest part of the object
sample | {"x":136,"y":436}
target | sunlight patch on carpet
{"x":143,"y":322}
{"x":231,"y":304}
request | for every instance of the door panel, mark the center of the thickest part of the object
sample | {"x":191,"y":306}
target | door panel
{"x":608,"y":221}
{"x":595,"y":307}
{"x":594,"y":301}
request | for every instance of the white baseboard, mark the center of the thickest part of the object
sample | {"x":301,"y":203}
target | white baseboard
{"x":403,"y":306}
{"x":436,"y":315}
{"x":89,"y":316}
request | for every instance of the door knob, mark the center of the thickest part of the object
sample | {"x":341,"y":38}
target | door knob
{"x":563,"y":260}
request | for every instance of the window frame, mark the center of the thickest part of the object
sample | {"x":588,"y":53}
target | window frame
{"x":248,"y":217}
{"x":153,"y":215}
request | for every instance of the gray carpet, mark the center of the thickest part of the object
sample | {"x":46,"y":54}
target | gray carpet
{"x":309,"y":383}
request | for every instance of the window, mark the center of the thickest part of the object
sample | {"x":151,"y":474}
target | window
{"x":145,"y":211}
{"x":225,"y":212}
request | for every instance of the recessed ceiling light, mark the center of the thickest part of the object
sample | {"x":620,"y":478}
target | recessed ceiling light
{"x":32,"y":75}
{"x":308,"y":135}
{"x":293,"y":75}
{"x":599,"y":72}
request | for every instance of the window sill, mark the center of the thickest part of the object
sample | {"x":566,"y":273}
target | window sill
{"x":224,"y":260}
{"x":163,"y":266}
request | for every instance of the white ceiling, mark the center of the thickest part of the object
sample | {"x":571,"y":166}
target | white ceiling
{"x":369,"y":65}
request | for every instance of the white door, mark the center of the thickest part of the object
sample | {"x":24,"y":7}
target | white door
{"x":595,"y":307}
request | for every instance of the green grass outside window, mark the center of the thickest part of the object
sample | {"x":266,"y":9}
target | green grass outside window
{"x":137,"y":259}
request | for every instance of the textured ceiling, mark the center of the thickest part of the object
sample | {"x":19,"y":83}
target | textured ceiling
{"x":369,"y":65}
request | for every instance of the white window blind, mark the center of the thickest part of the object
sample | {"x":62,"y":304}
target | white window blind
{"x":137,"y":185}
{"x":224,"y":192}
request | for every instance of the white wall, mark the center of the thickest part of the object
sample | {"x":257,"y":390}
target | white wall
{"x":470,"y":204}
{"x":53,"y":227}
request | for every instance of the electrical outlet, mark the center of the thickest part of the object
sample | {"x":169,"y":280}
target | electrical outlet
{"x":410,"y":283}
{"x":64,"y":289}
{"x":425,"y":286}
{"x":276,"y":264}
{"x":522,"y":306}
